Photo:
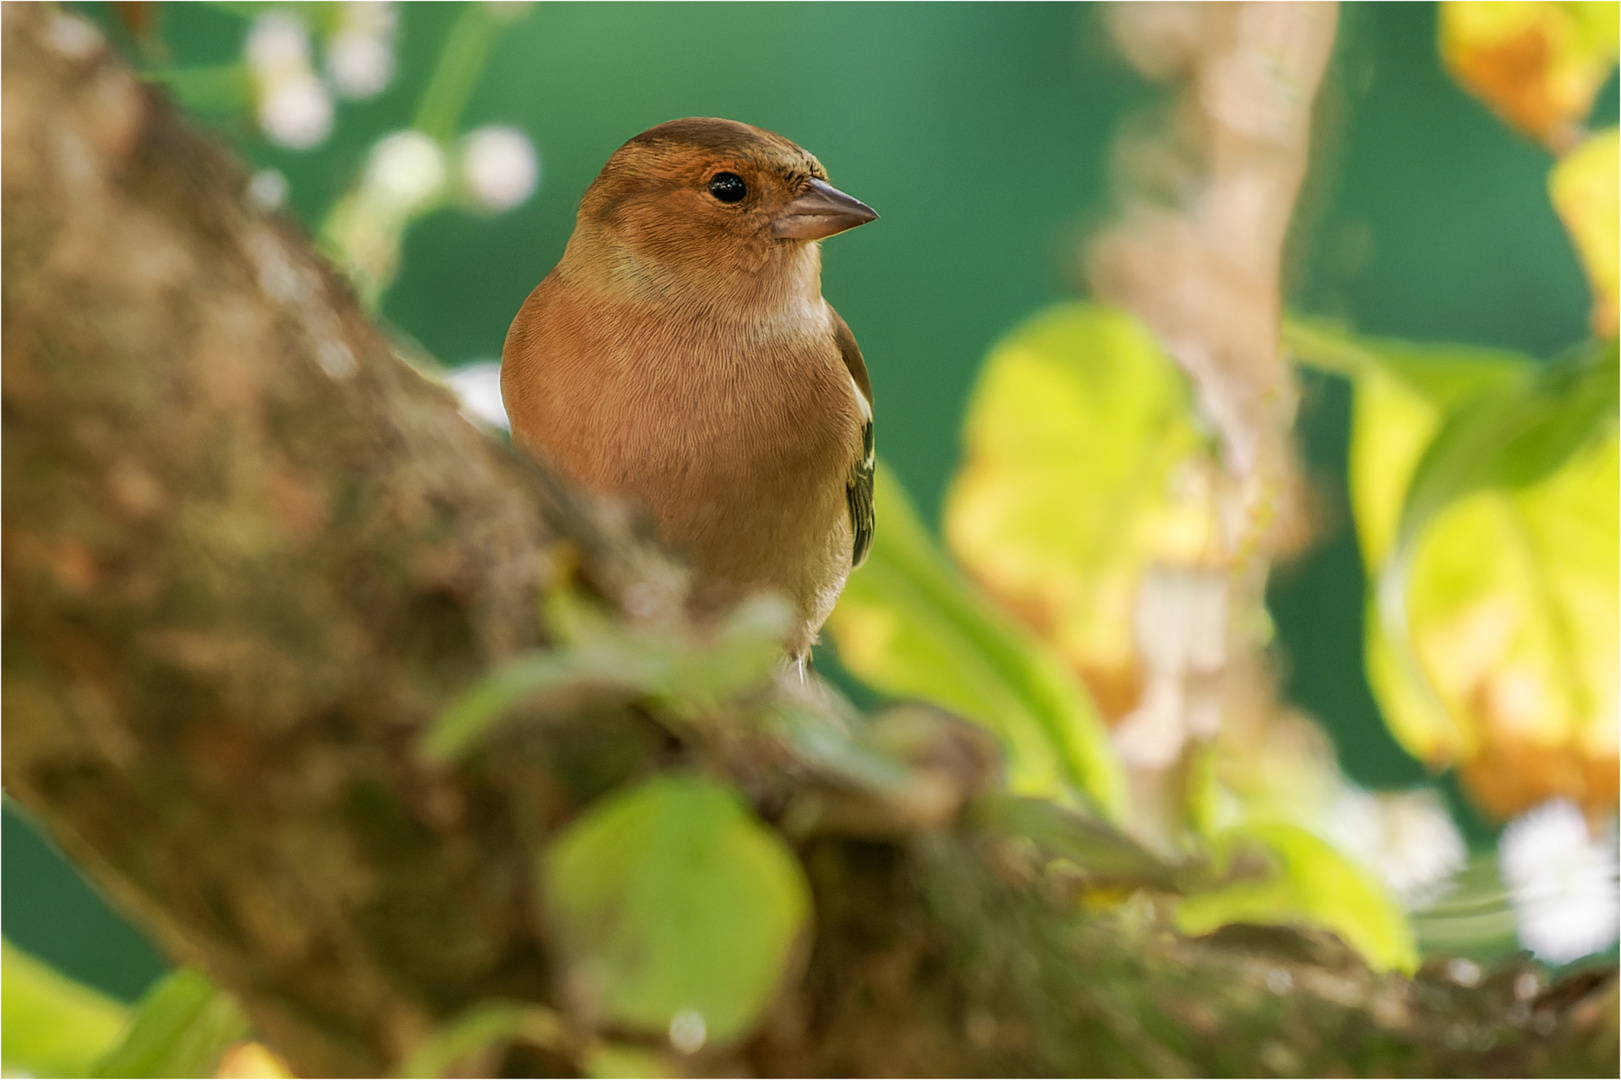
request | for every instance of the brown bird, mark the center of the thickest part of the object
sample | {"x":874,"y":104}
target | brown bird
{"x":681,"y":355}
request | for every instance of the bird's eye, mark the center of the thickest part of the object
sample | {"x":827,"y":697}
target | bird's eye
{"x":728,"y":187}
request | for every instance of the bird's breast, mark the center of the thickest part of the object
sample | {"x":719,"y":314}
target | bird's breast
{"x":738,"y":435}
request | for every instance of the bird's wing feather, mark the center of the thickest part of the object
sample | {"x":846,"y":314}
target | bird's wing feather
{"x":858,"y":489}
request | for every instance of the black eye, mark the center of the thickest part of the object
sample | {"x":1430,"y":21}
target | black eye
{"x":728,"y":187}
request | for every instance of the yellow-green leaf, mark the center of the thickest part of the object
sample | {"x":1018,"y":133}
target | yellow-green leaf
{"x":1083,"y":464}
{"x":51,"y":1025}
{"x":1485,"y":493}
{"x":1586,"y":191}
{"x":1312,"y":882}
{"x":910,"y":626}
{"x":1512,"y":613}
{"x":673,"y":897}
{"x":181,"y":1027}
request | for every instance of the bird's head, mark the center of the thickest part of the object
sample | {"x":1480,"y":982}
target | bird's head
{"x":715,"y":200}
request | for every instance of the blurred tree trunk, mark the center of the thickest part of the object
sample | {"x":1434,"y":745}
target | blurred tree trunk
{"x":249,"y":554}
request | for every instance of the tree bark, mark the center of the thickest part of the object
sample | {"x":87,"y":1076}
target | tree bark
{"x":249,"y":554}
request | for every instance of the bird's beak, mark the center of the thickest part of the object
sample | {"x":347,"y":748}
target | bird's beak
{"x":821,"y":212}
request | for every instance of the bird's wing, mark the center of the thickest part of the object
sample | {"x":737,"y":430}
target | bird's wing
{"x":858,"y":489}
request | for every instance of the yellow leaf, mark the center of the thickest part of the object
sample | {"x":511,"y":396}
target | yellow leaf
{"x":1538,"y":65}
{"x":1586,"y":191}
{"x":1083,"y":466}
{"x":1492,"y":641}
{"x":1513,"y":612}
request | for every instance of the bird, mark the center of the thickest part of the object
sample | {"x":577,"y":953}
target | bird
{"x":681,"y":356}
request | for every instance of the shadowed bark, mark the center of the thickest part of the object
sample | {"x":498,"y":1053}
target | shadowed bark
{"x":249,"y":554}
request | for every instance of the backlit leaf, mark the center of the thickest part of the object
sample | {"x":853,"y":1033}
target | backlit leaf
{"x":1083,"y":466}
{"x":1538,"y":65}
{"x":181,"y":1027}
{"x":673,"y":897}
{"x":1485,"y":493}
{"x":49,"y":1024}
{"x":1586,"y":191}
{"x":910,"y":626}
{"x":1311,"y":882}
{"x":1511,"y":607}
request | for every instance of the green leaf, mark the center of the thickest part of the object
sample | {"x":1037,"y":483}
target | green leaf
{"x":598,"y":652}
{"x":1107,"y":856}
{"x":910,"y":626}
{"x":671,"y":897}
{"x":1404,"y":394}
{"x":181,"y":1027}
{"x":1312,"y":882}
{"x":1513,"y":435}
{"x":489,"y":1025}
{"x":52,"y":1026}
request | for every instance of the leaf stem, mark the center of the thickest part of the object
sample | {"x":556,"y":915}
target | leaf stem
{"x":461,"y":62}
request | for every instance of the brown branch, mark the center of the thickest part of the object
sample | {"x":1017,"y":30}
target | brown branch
{"x":249,"y":554}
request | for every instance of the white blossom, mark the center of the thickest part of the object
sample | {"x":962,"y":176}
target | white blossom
{"x":688,"y":1031}
{"x":268,"y":189}
{"x":278,"y":42}
{"x":1562,"y":881}
{"x":296,"y":111}
{"x":499,"y":167}
{"x":360,"y":55}
{"x":478,"y":386}
{"x":406,"y":172}
{"x":294,"y":107}
{"x":1406,"y":837}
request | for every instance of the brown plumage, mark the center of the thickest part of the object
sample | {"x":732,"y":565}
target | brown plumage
{"x":681,"y":355}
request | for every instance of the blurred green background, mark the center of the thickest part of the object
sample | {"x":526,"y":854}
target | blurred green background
{"x":980,"y":133}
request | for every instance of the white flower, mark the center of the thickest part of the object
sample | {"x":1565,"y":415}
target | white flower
{"x":499,"y":167}
{"x":360,"y":66}
{"x":1562,"y":881}
{"x":406,"y":172}
{"x":360,"y":55}
{"x":1407,"y":837}
{"x":688,"y":1031}
{"x":296,"y":111}
{"x":479,"y":388}
{"x":278,"y":42}
{"x":268,"y":189}
{"x":294,"y":107}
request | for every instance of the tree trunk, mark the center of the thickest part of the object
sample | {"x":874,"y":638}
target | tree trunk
{"x":250,"y":554}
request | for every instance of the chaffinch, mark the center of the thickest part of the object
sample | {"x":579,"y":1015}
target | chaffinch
{"x":681,"y":355}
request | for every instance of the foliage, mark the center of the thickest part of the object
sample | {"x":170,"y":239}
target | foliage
{"x":1311,"y":882}
{"x":910,"y":626}
{"x":180,"y":1028}
{"x":1538,"y":65}
{"x":677,"y":909}
{"x":1083,"y":465}
{"x":1583,"y":187}
{"x":52,"y":1026}
{"x":1484,"y":490}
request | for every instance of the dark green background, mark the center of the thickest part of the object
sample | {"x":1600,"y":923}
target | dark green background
{"x":980,"y":133}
